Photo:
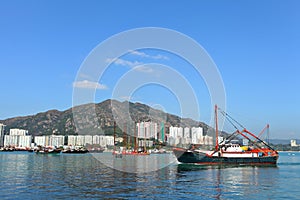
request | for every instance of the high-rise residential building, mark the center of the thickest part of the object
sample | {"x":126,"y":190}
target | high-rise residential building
{"x":2,"y":127}
{"x":197,"y":134}
{"x":146,"y":130}
{"x":176,"y":132}
{"x":162,"y":132}
{"x":16,"y":131}
{"x":11,"y":140}
{"x":83,"y":140}
{"x":18,"y":138}
{"x":179,"y":135}
{"x":40,"y":140}
{"x":180,"y":132}
{"x":49,"y":140}
{"x":294,"y":143}
{"x":187,"y":132}
{"x":57,"y":140}
{"x":24,"y":141}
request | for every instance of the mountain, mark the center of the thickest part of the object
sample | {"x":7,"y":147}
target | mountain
{"x":280,"y":141}
{"x":96,"y":119}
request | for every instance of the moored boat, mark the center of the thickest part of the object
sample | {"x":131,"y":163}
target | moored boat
{"x":226,"y":152}
{"x":75,"y":151}
{"x":133,"y":153}
{"x":139,"y":152}
{"x":47,"y":151}
{"x":136,"y":151}
{"x":96,"y":150}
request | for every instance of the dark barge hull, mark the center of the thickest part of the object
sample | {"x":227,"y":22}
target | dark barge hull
{"x":193,"y":157}
{"x":76,"y":151}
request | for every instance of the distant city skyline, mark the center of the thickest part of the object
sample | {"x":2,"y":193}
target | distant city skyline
{"x":255,"y":45}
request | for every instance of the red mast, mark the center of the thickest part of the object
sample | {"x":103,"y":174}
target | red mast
{"x":125,"y":136}
{"x":217,"y":133}
{"x":114,"y":135}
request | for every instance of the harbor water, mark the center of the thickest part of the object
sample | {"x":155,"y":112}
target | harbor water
{"x":26,"y":175}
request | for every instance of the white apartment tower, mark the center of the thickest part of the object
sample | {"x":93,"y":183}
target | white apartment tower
{"x":2,"y":127}
{"x":147,"y":130}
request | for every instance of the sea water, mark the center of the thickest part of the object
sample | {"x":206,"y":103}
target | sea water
{"x":26,"y":175}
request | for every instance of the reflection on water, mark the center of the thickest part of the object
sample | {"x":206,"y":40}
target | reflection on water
{"x":30,"y":176}
{"x":136,"y":164}
{"x":228,"y":181}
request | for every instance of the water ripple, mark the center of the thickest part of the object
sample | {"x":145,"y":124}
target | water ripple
{"x":30,"y":176}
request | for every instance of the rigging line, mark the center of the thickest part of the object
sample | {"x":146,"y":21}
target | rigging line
{"x":232,"y":118}
{"x":259,"y":140}
{"x":229,"y":137}
{"x":224,"y":114}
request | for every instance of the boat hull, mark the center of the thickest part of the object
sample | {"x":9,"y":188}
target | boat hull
{"x":194,"y":157}
{"x":54,"y":152}
{"x":131,"y":153}
{"x":75,"y":151}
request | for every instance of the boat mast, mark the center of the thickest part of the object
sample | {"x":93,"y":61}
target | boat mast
{"x":217,"y":133}
{"x":125,"y":136}
{"x":135,"y":139}
{"x":114,"y":135}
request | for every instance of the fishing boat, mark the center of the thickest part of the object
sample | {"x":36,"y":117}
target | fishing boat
{"x":228,"y":152}
{"x":45,"y":150}
{"x":76,"y":150}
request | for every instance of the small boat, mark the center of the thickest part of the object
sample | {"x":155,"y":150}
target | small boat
{"x":75,"y":151}
{"x":117,"y":154}
{"x":96,"y":150}
{"x":47,"y":151}
{"x":130,"y":153}
{"x":139,"y":152}
{"x":158,"y":151}
{"x":227,"y":152}
{"x":7,"y":149}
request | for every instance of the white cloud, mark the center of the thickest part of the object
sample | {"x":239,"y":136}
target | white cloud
{"x":89,"y":85}
{"x":144,"y":55}
{"x":144,"y":69}
{"x":135,"y":65}
{"x":122,"y":62}
{"x":138,"y":53}
{"x":84,"y":76}
{"x":157,"y":57}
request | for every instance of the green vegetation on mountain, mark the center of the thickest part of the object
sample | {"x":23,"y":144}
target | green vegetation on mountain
{"x":96,"y":119}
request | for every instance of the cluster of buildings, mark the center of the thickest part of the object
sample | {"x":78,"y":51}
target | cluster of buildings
{"x":74,"y":140}
{"x":145,"y":132}
{"x":150,"y":130}
{"x":294,"y":143}
{"x":18,"y":138}
{"x":21,"y":138}
{"x":185,"y":136}
{"x":175,"y":135}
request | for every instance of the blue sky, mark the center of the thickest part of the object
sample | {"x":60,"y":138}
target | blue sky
{"x":255,"y":45}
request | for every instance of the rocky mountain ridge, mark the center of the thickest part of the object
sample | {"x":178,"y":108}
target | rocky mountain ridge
{"x":96,"y":119}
